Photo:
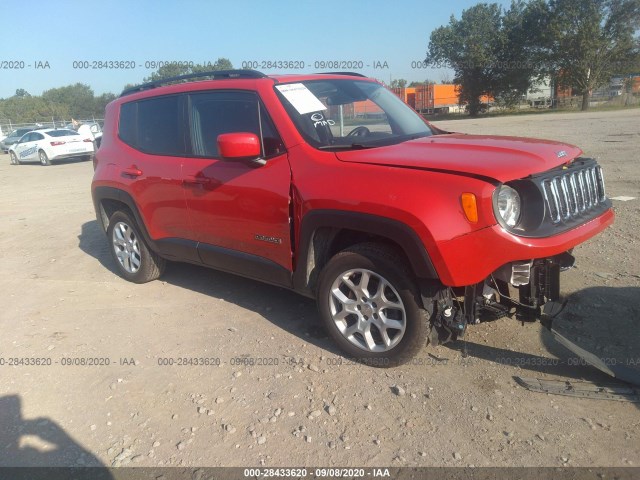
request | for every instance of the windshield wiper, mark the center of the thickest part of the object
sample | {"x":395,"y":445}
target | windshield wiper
{"x":383,"y":142}
{"x":351,"y":146}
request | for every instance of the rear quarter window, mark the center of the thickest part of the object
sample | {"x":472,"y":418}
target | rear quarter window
{"x":128,"y":129}
{"x":62,"y":133}
{"x":153,"y":126}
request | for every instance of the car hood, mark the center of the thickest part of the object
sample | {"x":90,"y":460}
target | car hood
{"x":499,"y":158}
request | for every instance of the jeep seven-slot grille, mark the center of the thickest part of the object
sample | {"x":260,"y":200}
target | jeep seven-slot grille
{"x":572,"y":194}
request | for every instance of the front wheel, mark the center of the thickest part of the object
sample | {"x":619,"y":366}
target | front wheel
{"x":371,"y":307}
{"x":13,"y":158}
{"x":135,"y":261}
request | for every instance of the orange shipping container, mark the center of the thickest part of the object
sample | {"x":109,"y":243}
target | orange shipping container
{"x":433,"y":98}
{"x":365,"y":108}
{"x":407,"y":95}
{"x":445,"y":95}
{"x":423,"y":98}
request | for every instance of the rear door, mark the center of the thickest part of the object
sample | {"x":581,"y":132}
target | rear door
{"x":150,"y":164}
{"x":238,"y":211}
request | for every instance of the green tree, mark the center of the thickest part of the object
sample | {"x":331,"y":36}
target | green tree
{"x":519,"y":62}
{"x":100,"y":102}
{"x":398,"y":83}
{"x":21,"y":92}
{"x":469,"y":46}
{"x":588,"y":41}
{"x":418,"y":84}
{"x":491,"y":51}
{"x":176,"y":69}
{"x":78,"y":98}
{"x":31,"y":109}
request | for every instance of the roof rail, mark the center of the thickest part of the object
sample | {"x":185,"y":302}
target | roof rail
{"x":215,"y":74}
{"x":343,"y":73}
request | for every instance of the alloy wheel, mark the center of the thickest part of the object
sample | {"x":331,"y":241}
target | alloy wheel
{"x":126,"y":247}
{"x":367,"y":310}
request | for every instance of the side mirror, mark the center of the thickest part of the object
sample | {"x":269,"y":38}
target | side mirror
{"x":239,"y":146}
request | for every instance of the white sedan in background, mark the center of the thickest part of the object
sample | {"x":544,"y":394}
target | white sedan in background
{"x":46,"y":146}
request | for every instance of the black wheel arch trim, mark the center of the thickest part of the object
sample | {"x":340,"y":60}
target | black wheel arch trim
{"x":391,"y":229}
{"x":110,"y":193}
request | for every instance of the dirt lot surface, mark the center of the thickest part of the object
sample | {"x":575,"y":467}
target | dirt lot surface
{"x":279,"y":396}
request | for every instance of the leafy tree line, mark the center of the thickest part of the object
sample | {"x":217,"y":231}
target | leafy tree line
{"x":62,"y":103}
{"x":79,"y":100}
{"x":579,"y":44}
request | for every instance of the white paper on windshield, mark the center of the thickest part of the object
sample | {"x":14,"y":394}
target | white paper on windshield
{"x":301,"y":98}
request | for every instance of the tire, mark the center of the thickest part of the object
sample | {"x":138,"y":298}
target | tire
{"x":14,"y":160}
{"x":390,"y":293}
{"x":44,"y":160}
{"x":133,"y":258}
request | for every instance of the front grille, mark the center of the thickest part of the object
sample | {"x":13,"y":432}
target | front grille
{"x":573,"y":194}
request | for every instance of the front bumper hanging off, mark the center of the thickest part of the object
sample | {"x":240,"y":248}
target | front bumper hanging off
{"x":538,"y":285}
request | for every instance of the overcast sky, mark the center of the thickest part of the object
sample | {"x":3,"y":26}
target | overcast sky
{"x":367,"y":32}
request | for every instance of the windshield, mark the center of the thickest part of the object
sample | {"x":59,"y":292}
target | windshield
{"x":349,"y":114}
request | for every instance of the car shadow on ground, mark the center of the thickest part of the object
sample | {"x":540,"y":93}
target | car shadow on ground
{"x":40,"y":442}
{"x":287,"y":310}
{"x":298,"y":315}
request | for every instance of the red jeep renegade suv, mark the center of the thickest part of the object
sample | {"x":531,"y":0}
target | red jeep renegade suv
{"x":330,"y":185}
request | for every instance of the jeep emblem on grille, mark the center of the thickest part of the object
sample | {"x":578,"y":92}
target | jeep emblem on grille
{"x":561,"y":154}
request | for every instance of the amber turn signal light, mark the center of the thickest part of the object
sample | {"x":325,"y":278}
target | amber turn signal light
{"x":469,"y":206}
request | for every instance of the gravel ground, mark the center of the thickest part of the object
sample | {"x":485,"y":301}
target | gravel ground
{"x":276,"y":392}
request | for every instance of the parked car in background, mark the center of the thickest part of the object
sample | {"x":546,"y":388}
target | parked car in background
{"x":91,"y":129}
{"x":50,"y":145}
{"x":13,"y":137}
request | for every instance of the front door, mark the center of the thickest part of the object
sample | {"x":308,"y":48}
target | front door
{"x":238,"y":210}
{"x":27,"y":147}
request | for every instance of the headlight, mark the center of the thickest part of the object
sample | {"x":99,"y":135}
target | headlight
{"x":509,"y":205}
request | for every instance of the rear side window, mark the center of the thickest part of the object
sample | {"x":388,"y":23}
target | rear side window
{"x":153,"y":126}
{"x":32,"y":137}
{"x":128,"y":127}
{"x":62,"y":133}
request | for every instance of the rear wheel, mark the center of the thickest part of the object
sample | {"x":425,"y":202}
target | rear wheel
{"x":13,"y":158}
{"x":44,"y":160}
{"x":135,"y":261}
{"x":371,"y":307}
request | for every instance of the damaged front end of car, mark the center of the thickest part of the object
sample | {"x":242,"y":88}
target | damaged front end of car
{"x":529,"y":210}
{"x":527,"y":291}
